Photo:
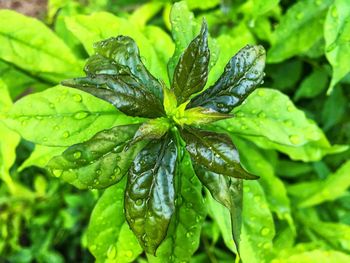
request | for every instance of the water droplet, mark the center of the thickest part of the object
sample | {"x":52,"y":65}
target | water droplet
{"x":39,"y":117}
{"x":77,"y":98}
{"x":139,"y":202}
{"x":290,"y":108}
{"x":93,"y":247}
{"x":65,"y":134}
{"x":98,"y":171}
{"x":81,"y":115}
{"x":198,"y":219}
{"x":117,"y":170}
{"x":261,"y":92}
{"x":189,"y":234}
{"x":77,"y":154}
{"x":45,"y":139}
{"x":128,"y":253}
{"x":294,"y":139}
{"x":262,"y":114}
{"x":111,"y":252}
{"x":52,"y":106}
{"x":246,"y":189}
{"x":189,"y":205}
{"x":57,"y":172}
{"x":288,"y":123}
{"x":265,"y":231}
{"x":56,"y":127}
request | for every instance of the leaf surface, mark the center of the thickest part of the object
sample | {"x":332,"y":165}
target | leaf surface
{"x":98,"y":162}
{"x":150,"y":196}
{"x":242,"y":74}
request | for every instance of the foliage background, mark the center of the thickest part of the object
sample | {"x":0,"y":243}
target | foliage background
{"x":298,"y":211}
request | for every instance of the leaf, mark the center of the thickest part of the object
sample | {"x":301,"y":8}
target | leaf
{"x":200,"y":115}
{"x":261,"y":7}
{"x":123,"y":91}
{"x":330,"y":189}
{"x":183,"y":29}
{"x":316,"y":256}
{"x":108,"y":236}
{"x":215,"y":152}
{"x":150,"y":196}
{"x":191,"y":72}
{"x":299,"y":29}
{"x":278,"y":126}
{"x":257,"y":162}
{"x":242,"y":74}
{"x":123,"y":50}
{"x":258,"y":227}
{"x":312,"y":85}
{"x":203,"y":5}
{"x":43,"y":54}
{"x":145,"y":12}
{"x":41,"y":156}
{"x":98,"y":162}
{"x":92,"y":28}
{"x":227,"y":191}
{"x":336,"y":34}
{"x":152,"y":129}
{"x":184,"y":230}
{"x":61,"y":117}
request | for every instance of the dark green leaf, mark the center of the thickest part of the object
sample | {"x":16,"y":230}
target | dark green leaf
{"x":227,"y":191}
{"x":98,"y":162}
{"x":215,"y":152}
{"x":241,"y":76}
{"x":122,"y":50}
{"x":123,"y":91}
{"x":150,"y":196}
{"x":191,"y":72}
{"x":184,"y":230}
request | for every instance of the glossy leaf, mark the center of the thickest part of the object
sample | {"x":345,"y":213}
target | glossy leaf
{"x":191,"y":72}
{"x":278,"y":126}
{"x":150,"y":196}
{"x":215,"y":152}
{"x":108,"y":232}
{"x":34,"y":48}
{"x":152,"y":129}
{"x":92,"y":28}
{"x":261,"y":7}
{"x":61,"y":117}
{"x":200,"y":115}
{"x":315,"y":256}
{"x":227,"y":191}
{"x":123,"y":91}
{"x":242,"y":74}
{"x":336,"y":32}
{"x":98,"y":162}
{"x":299,"y":29}
{"x":184,"y":230}
{"x":122,"y":50}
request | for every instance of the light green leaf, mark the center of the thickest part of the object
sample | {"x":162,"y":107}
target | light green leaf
{"x":203,"y":4}
{"x":315,"y":256}
{"x":278,"y":126}
{"x":62,"y":116}
{"x":145,"y":12}
{"x":98,"y":162}
{"x":261,"y":7}
{"x":334,"y":108}
{"x":336,"y":33}
{"x":108,"y":236}
{"x":258,"y":226}
{"x":41,"y":156}
{"x":92,"y":28}
{"x":299,"y":29}
{"x":330,"y":189}
{"x":256,"y":162}
{"x":312,"y":85}
{"x":33,"y":47}
{"x":184,"y":230}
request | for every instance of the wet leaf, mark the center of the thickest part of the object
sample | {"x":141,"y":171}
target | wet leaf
{"x":215,"y":152}
{"x":98,"y":162}
{"x":191,"y":72}
{"x":242,"y":74}
{"x":150,"y":196}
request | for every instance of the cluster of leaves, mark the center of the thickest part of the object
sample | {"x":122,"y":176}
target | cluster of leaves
{"x":296,"y":212}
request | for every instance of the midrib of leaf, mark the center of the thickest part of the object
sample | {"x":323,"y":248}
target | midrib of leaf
{"x":97,"y":113}
{"x":9,"y":37}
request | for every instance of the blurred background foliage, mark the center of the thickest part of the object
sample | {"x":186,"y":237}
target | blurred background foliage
{"x":300,"y":209}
